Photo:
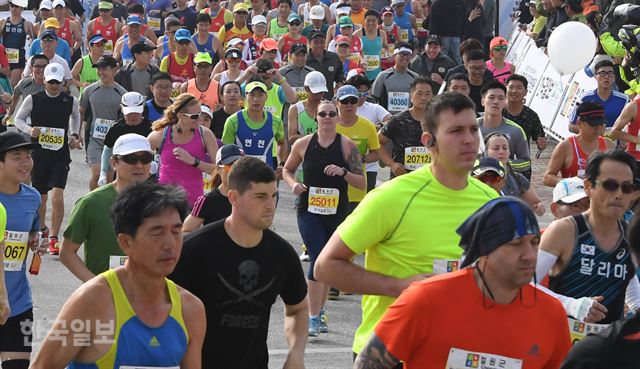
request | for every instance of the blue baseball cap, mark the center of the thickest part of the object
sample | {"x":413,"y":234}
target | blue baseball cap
{"x":134,"y":19}
{"x":347,"y":91}
{"x":183,"y":34}
{"x":50,"y":34}
{"x":96,"y":39}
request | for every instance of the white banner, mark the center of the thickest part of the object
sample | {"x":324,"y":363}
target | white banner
{"x":580,"y":84}
{"x":532,"y":67}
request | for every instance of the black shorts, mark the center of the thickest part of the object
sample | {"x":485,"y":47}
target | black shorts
{"x":50,"y":169}
{"x":16,"y":335}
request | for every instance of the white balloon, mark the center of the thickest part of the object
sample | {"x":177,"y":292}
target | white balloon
{"x":571,"y":47}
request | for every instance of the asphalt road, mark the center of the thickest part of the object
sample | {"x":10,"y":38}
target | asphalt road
{"x":331,"y":350}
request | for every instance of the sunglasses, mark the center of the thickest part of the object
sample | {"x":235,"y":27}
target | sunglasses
{"x":610,"y":185}
{"x":575,"y":205}
{"x":491,"y":177}
{"x":349,"y":101}
{"x":184,"y":42}
{"x":364,"y":94}
{"x":330,"y":114}
{"x":193,"y":116}
{"x":54,"y":82}
{"x":104,"y":10}
{"x":295,"y":23}
{"x":48,"y":39}
{"x":133,"y":159}
{"x":500,"y":48}
{"x":242,"y":13}
{"x":14,"y":6}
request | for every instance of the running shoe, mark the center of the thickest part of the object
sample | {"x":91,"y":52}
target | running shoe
{"x":324,"y":319}
{"x":314,"y":326}
{"x":333,"y":293}
{"x":54,"y":246}
{"x":305,"y":255}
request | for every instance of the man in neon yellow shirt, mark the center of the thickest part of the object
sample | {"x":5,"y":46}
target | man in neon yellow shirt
{"x":359,"y":130}
{"x":407,"y":226}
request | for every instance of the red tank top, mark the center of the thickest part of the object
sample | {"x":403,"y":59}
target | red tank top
{"x":289,"y":41}
{"x":208,"y":97}
{"x":217,"y":21}
{"x":180,"y":73}
{"x":633,"y":129}
{"x":64,"y":32}
{"x":579,"y":162}
{"x":108,"y":32}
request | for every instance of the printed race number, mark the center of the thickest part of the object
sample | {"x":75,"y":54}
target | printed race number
{"x":415,"y":157}
{"x":15,"y":250}
{"x":579,"y":330}
{"x":101,"y":127}
{"x":372,"y":62}
{"x":51,"y":138}
{"x":323,"y":201}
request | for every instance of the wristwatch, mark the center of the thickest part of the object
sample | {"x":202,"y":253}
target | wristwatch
{"x":344,"y":174}
{"x":196,"y":163}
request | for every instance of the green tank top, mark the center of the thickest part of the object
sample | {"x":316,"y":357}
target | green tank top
{"x":273,"y":103}
{"x":306,"y":124}
{"x":275,"y":31}
{"x":88,"y":74}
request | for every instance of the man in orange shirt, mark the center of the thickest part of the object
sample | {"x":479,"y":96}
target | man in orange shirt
{"x":485,"y":315}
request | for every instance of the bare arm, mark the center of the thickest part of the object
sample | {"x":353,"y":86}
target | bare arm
{"x":354,"y":176}
{"x":396,"y":168}
{"x":75,"y":73}
{"x":283,"y":150}
{"x":371,"y":156}
{"x":627,"y":116}
{"x":375,"y":356}
{"x":335,"y":267}
{"x":195,"y":322}
{"x":289,"y":93}
{"x":190,"y":224}
{"x":531,"y":197}
{"x":292,"y":127}
{"x":551,"y":177}
{"x":69,"y":257}
{"x":293,"y":161}
{"x":295,"y":329}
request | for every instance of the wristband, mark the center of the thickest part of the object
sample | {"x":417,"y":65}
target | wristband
{"x":345,"y":172}
{"x":196,"y":163}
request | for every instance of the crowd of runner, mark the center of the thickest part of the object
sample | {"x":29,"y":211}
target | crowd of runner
{"x":190,"y":114}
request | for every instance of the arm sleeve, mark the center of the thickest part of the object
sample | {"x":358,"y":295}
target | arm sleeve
{"x":106,"y":155}
{"x":611,"y":46}
{"x":376,"y":89}
{"x":20,"y":119}
{"x":632,"y":298}
{"x":74,"y":122}
{"x":163,"y":65}
{"x":539,"y":23}
{"x":278,"y":129}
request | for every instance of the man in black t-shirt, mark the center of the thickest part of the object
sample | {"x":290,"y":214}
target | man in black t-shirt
{"x":240,"y":278}
{"x":132,"y":104}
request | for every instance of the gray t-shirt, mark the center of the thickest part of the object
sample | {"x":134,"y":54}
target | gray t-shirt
{"x":27,"y":86}
{"x":518,"y":146}
{"x":102,"y":107}
{"x":140,"y":80}
{"x":391,"y":89}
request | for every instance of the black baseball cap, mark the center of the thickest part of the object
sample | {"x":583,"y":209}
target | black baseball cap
{"x":434,"y":38}
{"x":11,"y":140}
{"x":140,"y":47}
{"x":315,"y":34}
{"x":592,"y":113}
{"x":227,"y":154}
{"x":298,"y":47}
{"x":106,"y":61}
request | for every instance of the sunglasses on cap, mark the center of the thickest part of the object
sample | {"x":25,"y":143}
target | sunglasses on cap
{"x":193,"y":116}
{"x":133,"y":159}
{"x":349,"y":101}
{"x":500,"y":48}
{"x":330,"y":114}
{"x":611,"y":185}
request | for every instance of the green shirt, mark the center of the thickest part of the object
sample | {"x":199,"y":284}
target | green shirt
{"x":3,"y":222}
{"x":538,"y":23}
{"x":404,"y":226}
{"x":90,"y":224}
{"x":231,"y":127}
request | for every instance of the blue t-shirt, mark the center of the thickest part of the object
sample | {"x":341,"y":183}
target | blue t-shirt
{"x":612,"y":107}
{"x":62,"y":49}
{"x":22,"y":216}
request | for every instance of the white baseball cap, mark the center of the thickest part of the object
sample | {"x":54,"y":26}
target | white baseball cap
{"x":569,"y":190}
{"x":54,"y":71}
{"x":21,"y":3}
{"x":132,"y":102}
{"x":316,"y":82}
{"x":316,"y":12}
{"x":258,"y":19}
{"x":59,"y":2}
{"x":207,"y":110}
{"x":345,"y":10}
{"x":130,"y":143}
{"x":396,"y":2}
{"x":46,"y":4}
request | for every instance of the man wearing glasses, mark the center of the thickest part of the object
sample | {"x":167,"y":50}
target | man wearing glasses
{"x":29,"y":85}
{"x":55,"y":124}
{"x":587,"y":255}
{"x":238,"y":28}
{"x":90,"y":224}
{"x":49,"y":42}
{"x":613,"y":101}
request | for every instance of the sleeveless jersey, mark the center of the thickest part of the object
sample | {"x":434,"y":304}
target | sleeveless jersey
{"x":273,"y":104}
{"x":153,"y":113}
{"x":306,"y":124}
{"x":136,"y":344}
{"x":593,"y":272}
{"x":257,"y":143}
{"x":127,"y":57}
{"x":216,"y":22}
{"x":14,"y":38}
{"x":634,"y":130}
{"x":579,"y":162}
{"x":371,"y":54}
{"x":501,"y":74}
{"x":316,"y":158}
{"x":65,"y":33}
{"x":289,"y":41}
{"x":180,"y":73}
{"x":275,"y":31}
{"x":254,"y":48}
{"x":88,"y":74}
{"x":207,"y":47}
{"x":208,"y":97}
{"x":109,"y":33}
{"x":406,"y":28}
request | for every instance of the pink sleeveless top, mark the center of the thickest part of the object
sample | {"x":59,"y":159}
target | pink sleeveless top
{"x":176,"y":172}
{"x":500,"y":75}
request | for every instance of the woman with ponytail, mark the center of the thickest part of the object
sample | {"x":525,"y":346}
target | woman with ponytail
{"x":185,"y":147}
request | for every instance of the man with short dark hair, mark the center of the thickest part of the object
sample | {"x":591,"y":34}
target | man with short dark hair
{"x":137,"y":75}
{"x":398,"y":253}
{"x":240,"y":279}
{"x":459,"y":82}
{"x":432,"y":62}
{"x":167,"y":326}
{"x":476,"y":67}
{"x":587,"y":255}
{"x":391,"y":86}
{"x":28,"y":85}
{"x":486,"y":299}
{"x":521,"y":114}
{"x":325,"y":62}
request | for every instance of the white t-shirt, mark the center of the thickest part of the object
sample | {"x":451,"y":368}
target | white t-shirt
{"x":56,"y":59}
{"x":375,"y":114}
